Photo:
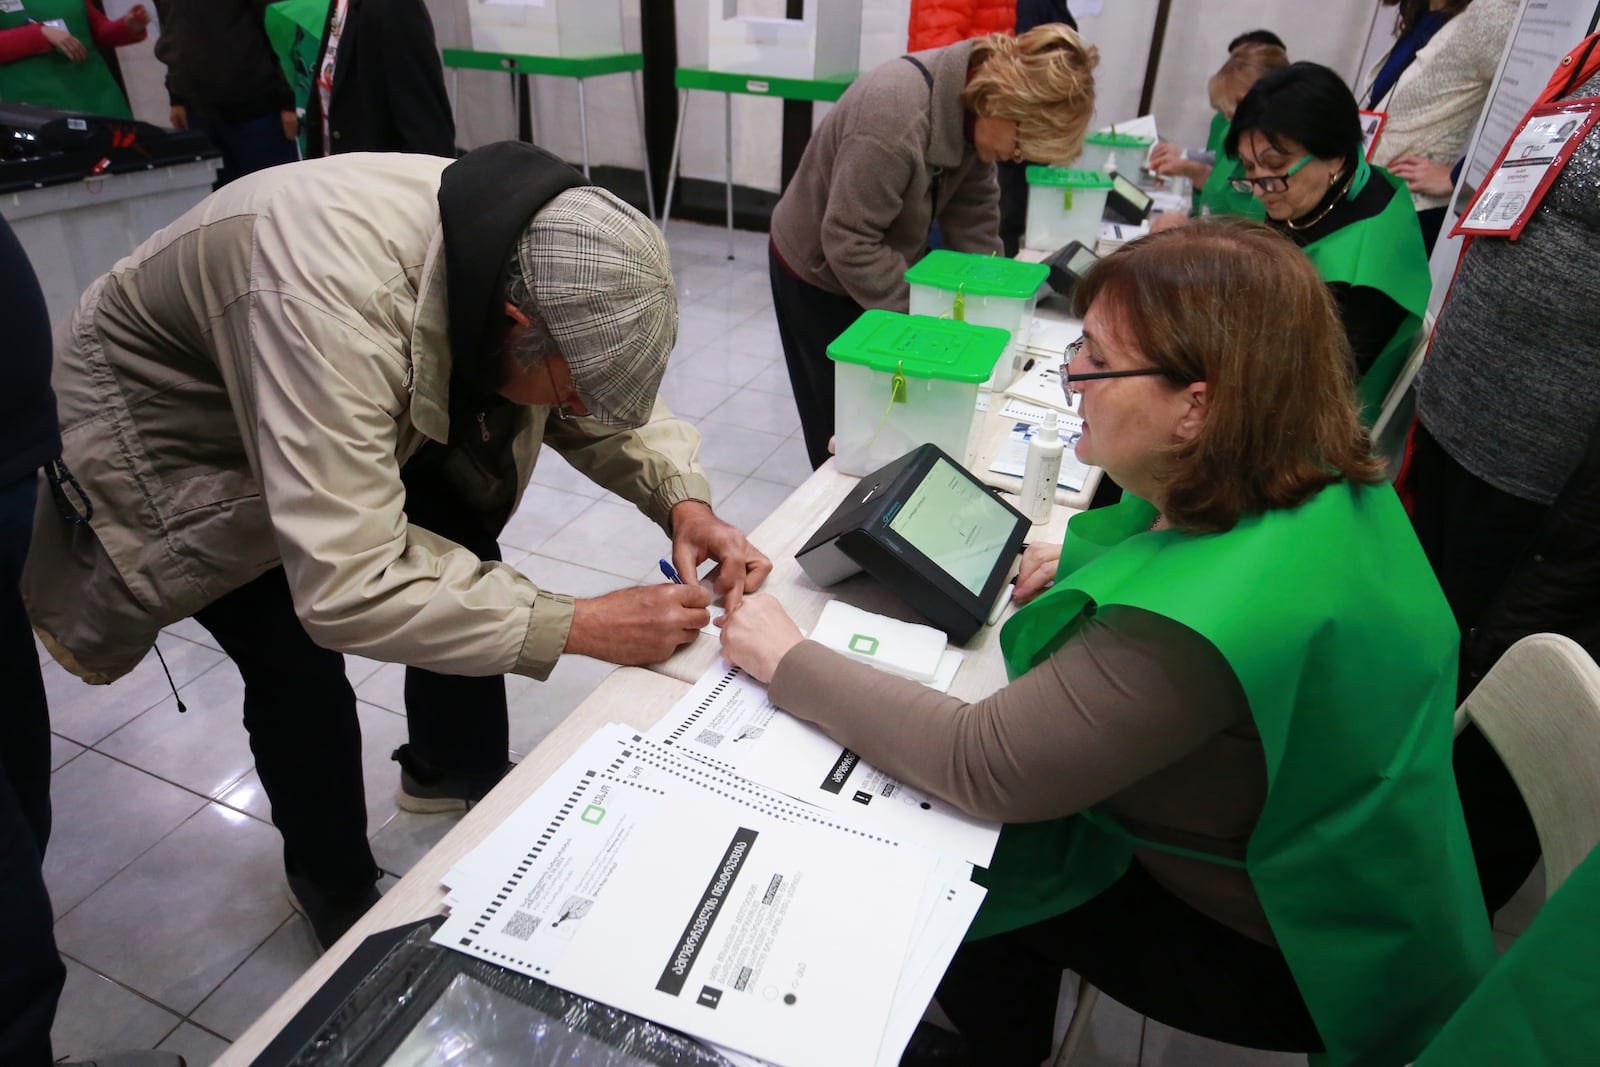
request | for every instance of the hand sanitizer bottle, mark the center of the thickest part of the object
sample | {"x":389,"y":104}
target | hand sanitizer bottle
{"x":1041,"y":471}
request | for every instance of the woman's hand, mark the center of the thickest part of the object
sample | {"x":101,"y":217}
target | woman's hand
{"x":1423,"y":176}
{"x":1166,"y":159}
{"x":1038,"y":571}
{"x":137,"y":19}
{"x":65,"y":43}
{"x":758,"y":635}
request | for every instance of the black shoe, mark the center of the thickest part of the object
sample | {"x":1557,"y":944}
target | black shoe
{"x":934,"y":1046}
{"x":428,"y":794}
{"x":329,"y":914}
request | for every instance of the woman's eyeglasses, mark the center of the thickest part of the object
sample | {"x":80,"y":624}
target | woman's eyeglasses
{"x":1068,"y":378}
{"x":1269,"y":183}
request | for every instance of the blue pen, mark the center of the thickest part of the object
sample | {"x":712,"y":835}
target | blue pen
{"x":671,"y":573}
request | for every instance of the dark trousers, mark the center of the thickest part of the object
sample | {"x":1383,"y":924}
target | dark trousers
{"x":809,"y":319}
{"x":1142,"y":946}
{"x":1432,"y":220}
{"x":301,"y":715}
{"x":1473,"y":535}
{"x":247,"y":145}
{"x":31,"y":972}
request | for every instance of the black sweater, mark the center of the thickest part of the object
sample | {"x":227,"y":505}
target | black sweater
{"x":29,"y":437}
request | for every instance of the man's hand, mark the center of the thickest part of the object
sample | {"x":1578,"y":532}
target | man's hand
{"x":698,"y":535}
{"x":645,"y":624}
{"x":291,"y":124}
{"x":178,"y":117}
{"x":1423,"y":176}
{"x":137,"y":18}
{"x":65,"y":43}
{"x":758,"y":636}
{"x":1038,"y":570}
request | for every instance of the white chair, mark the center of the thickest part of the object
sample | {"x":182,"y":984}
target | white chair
{"x":1393,"y":423}
{"x":1539,"y":707}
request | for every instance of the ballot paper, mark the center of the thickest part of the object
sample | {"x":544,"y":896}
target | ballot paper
{"x":662,"y":886}
{"x":727,"y":719}
{"x":1042,"y":385}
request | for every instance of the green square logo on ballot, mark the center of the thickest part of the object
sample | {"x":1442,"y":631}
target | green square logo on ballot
{"x":593,"y":814}
{"x":867,"y":646}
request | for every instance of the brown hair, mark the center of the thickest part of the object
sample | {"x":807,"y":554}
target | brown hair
{"x":1236,"y":305}
{"x":1244,"y":67}
{"x":1043,"y":81}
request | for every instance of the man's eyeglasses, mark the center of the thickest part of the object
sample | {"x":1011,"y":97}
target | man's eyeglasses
{"x":1269,"y":183}
{"x":1068,"y":378}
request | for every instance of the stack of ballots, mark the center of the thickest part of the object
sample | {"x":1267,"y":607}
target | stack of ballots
{"x":732,"y":874}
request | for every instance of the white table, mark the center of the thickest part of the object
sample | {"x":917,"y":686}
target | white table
{"x":638,"y":698}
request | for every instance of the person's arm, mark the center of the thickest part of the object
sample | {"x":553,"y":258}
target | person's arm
{"x":413,"y":79}
{"x":1130,"y":693}
{"x":970,"y":221}
{"x":866,"y":195}
{"x":114,"y":33}
{"x":655,"y":468}
{"x":1370,"y":318}
{"x":363,"y":579}
{"x":21,"y":42}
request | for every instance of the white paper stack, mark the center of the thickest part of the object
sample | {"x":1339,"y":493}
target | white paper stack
{"x":650,"y":878}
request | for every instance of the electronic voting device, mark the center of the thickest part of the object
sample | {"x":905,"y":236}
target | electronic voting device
{"x":939,"y":538}
{"x":1128,"y":202}
{"x":1069,"y":265}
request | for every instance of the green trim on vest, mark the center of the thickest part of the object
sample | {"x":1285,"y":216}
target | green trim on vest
{"x":1331,"y":619}
{"x":51,"y":79}
{"x":1216,"y":194}
{"x":1385,"y":253}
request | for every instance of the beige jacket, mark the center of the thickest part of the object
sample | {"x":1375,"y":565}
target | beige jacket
{"x":242,"y":390}
{"x":857,"y":212}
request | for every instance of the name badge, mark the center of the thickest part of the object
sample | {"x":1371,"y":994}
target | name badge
{"x":10,"y":7}
{"x":1371,"y":129}
{"x":1526,"y":167}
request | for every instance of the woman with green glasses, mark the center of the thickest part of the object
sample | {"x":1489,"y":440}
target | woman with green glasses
{"x":1295,"y":143}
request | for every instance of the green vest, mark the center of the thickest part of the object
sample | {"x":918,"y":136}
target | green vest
{"x":1344,"y":646}
{"x":295,"y":29}
{"x":1537,"y":1007}
{"x":51,"y":79}
{"x":1216,"y":195}
{"x":1385,"y":253}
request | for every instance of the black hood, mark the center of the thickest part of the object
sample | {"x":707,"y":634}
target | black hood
{"x":485,"y":200}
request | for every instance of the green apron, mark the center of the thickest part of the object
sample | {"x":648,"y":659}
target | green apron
{"x":1537,"y":1007}
{"x":1346,"y":650}
{"x":51,"y":79}
{"x":1216,"y":195}
{"x":1384,"y":253}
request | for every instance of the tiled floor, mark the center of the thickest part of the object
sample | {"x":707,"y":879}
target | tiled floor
{"x":165,"y":874}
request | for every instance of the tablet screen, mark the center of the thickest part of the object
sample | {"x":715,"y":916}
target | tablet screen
{"x":1135,"y":196}
{"x":957,"y":523}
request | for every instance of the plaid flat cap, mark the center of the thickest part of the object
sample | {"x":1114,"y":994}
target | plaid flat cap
{"x":602,"y":280}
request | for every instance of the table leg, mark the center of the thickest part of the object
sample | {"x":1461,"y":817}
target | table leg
{"x":644,"y":143}
{"x":583,"y":128}
{"x":727,"y":150}
{"x":677,"y":146}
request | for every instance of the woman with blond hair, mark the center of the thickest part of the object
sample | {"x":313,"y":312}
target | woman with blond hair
{"x":1246,"y":63}
{"x":910,"y":143}
{"x":1223,"y":759}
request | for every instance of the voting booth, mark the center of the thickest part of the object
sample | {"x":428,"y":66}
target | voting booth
{"x":823,"y":42}
{"x":571,"y":28}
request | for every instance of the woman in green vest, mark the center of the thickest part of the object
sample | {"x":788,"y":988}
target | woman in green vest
{"x":48,"y":54}
{"x":1296,"y":137}
{"x":1223,"y":758}
{"x":1247,"y":62}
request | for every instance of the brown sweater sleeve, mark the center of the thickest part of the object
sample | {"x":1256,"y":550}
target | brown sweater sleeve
{"x":1129,"y":694}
